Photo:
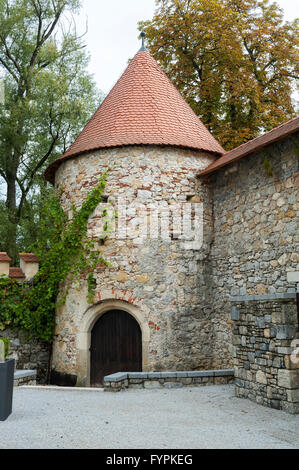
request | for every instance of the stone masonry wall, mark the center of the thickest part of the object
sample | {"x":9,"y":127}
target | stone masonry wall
{"x":255,"y":233}
{"x":28,"y":353}
{"x":172,"y":284}
{"x":266,"y":369}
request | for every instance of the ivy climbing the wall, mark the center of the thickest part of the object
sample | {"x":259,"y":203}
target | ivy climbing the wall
{"x":65,"y":252}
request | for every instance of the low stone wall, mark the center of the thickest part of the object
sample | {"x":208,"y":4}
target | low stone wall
{"x":124,"y":380}
{"x":24,"y":377}
{"x":265,"y":328}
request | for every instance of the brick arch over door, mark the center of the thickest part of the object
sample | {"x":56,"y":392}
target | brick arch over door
{"x":92,"y":316}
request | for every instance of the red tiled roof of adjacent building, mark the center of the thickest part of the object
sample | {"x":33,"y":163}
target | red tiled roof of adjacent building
{"x":4,"y":256}
{"x":278,"y":133}
{"x":16,"y":273}
{"x":143,"y":108}
{"x":29,"y":257}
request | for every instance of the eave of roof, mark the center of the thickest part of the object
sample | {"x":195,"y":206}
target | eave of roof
{"x":278,"y":133}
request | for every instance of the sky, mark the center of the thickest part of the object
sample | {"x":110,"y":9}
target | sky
{"x":112,"y":36}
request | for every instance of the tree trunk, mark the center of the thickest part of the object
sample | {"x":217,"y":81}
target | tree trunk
{"x":11,"y":204}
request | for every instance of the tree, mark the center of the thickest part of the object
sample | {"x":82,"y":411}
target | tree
{"x":48,"y":97}
{"x":234,"y":61}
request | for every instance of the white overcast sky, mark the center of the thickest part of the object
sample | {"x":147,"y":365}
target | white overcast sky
{"x":112,"y":36}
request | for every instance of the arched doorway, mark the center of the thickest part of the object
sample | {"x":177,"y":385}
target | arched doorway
{"x":116,"y":346}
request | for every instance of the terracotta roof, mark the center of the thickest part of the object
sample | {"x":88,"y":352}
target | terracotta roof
{"x":29,"y":257}
{"x":16,"y":273}
{"x":143,"y":108}
{"x":4,"y":256}
{"x":254,"y":145}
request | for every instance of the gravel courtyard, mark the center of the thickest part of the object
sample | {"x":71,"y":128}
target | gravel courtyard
{"x":187,"y":418}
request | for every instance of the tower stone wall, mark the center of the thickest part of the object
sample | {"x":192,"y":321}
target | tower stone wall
{"x":164,"y":283}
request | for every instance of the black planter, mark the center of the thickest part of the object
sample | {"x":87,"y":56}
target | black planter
{"x":7,"y":369}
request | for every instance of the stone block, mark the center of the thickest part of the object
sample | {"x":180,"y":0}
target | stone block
{"x":288,"y":378}
{"x":236,"y":340}
{"x":166,"y":375}
{"x":293,"y":396}
{"x":154,"y":375}
{"x":118,"y":376}
{"x":239,"y":383}
{"x":235,"y":314}
{"x":223,"y":372}
{"x":267,"y":332}
{"x":194,"y":373}
{"x":289,"y":364}
{"x":220,"y":380}
{"x":186,"y":380}
{"x":243,"y":330}
{"x":292,"y":408}
{"x":260,"y":322}
{"x":285,"y":331}
{"x":182,"y":374}
{"x":135,"y":381}
{"x":261,"y":377}
{"x":277,"y":362}
{"x":251,"y":356}
{"x":198,"y":380}
{"x":284,"y":350}
{"x":137,"y":375}
{"x":277,"y":316}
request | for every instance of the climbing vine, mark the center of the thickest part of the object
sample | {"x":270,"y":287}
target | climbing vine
{"x":65,"y":253}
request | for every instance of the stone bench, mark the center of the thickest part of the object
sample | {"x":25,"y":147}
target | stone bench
{"x":24,"y":377}
{"x":123,"y":380}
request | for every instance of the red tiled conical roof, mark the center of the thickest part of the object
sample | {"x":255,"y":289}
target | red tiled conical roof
{"x":143,"y":108}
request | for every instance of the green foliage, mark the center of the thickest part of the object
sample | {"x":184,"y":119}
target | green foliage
{"x":267,"y":167}
{"x":65,"y":253}
{"x":234,"y":61}
{"x":6,"y":347}
{"x":48,"y":97}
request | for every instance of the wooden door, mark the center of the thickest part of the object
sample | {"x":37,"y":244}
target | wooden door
{"x":116,"y":346}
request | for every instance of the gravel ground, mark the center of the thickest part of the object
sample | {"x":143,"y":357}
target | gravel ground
{"x":187,"y":418}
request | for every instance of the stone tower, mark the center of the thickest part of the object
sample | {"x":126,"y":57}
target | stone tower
{"x":152,"y":309}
